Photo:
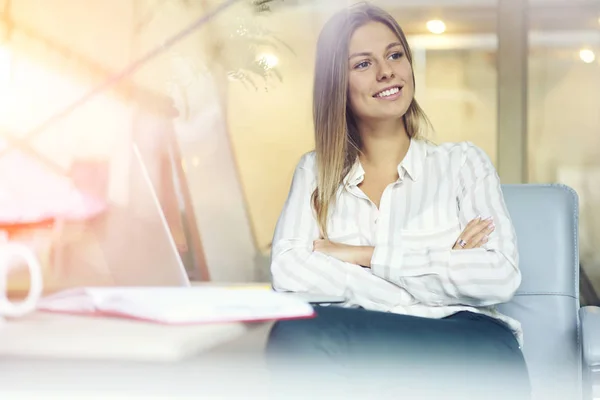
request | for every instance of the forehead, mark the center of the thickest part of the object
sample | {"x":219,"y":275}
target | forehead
{"x":372,"y":37}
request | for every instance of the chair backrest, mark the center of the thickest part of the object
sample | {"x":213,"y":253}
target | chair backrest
{"x":546,"y":221}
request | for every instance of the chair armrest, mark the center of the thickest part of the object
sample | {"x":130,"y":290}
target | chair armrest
{"x":590,"y":332}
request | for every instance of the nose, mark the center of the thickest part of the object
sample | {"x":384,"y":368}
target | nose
{"x":385,"y":71}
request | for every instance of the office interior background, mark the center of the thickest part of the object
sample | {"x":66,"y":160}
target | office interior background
{"x":222,"y":115}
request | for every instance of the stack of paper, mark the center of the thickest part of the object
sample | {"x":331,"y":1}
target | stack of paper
{"x":179,"y":305}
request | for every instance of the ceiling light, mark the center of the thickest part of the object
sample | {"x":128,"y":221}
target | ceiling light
{"x":268,"y":60}
{"x":587,"y":56}
{"x":436,"y":26}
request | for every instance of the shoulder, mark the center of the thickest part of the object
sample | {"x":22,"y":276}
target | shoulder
{"x":307,"y":166}
{"x":462,"y":152}
{"x":308,"y":161}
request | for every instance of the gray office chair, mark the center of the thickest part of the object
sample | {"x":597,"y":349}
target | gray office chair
{"x":562,"y":340}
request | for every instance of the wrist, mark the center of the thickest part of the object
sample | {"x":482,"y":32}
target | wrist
{"x":364,"y":255}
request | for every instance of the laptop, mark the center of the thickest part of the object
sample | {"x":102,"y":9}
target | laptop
{"x":144,"y":252}
{"x":130,"y":244}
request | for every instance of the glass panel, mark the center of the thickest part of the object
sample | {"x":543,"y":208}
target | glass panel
{"x":563,"y":140}
{"x":270,"y":128}
{"x":271,"y":125}
{"x":240,"y":130}
{"x":455,"y":71}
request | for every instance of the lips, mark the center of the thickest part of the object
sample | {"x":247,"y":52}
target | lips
{"x":388,"y":92}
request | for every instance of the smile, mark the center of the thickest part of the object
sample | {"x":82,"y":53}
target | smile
{"x":388,"y":93}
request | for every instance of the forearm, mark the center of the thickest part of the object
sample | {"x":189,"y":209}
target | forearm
{"x":301,"y":270}
{"x":363,"y":255}
{"x":298,"y":269}
{"x":476,"y":277}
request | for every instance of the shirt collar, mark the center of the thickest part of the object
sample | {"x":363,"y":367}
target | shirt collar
{"x":414,"y":160}
{"x":411,"y":165}
{"x":356,"y":174}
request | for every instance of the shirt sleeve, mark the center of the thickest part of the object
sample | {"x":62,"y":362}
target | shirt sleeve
{"x":475,"y":277}
{"x":295,"y":267}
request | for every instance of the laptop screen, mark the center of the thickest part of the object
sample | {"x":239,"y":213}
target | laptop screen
{"x":129,"y":244}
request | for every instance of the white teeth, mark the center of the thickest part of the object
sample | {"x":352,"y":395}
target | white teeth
{"x":388,"y":92}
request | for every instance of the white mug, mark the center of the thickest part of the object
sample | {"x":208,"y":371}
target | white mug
{"x":8,"y":252}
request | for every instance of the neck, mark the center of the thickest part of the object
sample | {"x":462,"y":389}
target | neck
{"x":384,"y":143}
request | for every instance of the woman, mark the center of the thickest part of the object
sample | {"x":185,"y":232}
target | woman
{"x":415,"y":236}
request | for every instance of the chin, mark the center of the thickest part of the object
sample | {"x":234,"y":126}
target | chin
{"x":392,"y":113}
{"x":379,"y":112}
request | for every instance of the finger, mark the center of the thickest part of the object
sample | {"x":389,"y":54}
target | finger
{"x":457,"y":246}
{"x":472,"y":235}
{"x":472,"y":223}
{"x":475,"y":229}
{"x":460,"y":244}
{"x":479,"y":225}
{"x":483,"y":235}
{"x":474,"y":241}
{"x":484,"y":241}
{"x":481,"y":242}
{"x":472,"y":227}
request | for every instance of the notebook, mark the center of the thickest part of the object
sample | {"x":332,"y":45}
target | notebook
{"x":178,"y":305}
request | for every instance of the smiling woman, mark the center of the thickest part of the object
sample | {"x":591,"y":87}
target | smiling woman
{"x":383,"y":73}
{"x":379,"y":43}
{"x":415,"y":236}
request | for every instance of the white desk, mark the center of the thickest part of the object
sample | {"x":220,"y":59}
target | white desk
{"x":61,"y":356}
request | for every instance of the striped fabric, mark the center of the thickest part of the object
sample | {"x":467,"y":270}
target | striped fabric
{"x":414,"y":270}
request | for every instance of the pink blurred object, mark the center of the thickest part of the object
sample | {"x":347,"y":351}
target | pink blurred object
{"x":32,"y":193}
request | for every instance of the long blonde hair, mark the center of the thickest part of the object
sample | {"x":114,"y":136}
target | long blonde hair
{"x":337,"y":141}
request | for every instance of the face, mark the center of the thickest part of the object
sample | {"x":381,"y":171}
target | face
{"x":380,"y":83}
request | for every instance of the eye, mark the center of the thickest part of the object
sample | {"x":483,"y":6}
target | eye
{"x":362,"y":65}
{"x":397,"y":55}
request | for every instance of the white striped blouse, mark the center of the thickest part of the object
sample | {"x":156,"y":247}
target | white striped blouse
{"x":414,"y":270}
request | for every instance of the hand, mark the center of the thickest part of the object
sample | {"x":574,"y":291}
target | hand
{"x":344,"y":252}
{"x":476,"y":234}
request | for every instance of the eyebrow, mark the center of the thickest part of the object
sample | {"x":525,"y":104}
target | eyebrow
{"x":389,"y":46}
